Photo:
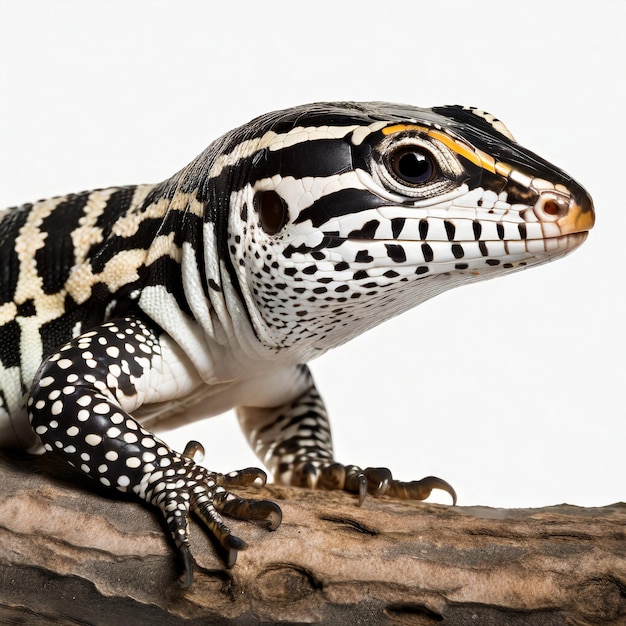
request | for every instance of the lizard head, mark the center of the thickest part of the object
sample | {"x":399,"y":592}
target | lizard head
{"x":342,"y":215}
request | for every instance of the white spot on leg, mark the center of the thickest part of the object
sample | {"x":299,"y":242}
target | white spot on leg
{"x":113,"y":352}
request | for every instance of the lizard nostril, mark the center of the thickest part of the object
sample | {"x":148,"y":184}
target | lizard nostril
{"x":552,"y":205}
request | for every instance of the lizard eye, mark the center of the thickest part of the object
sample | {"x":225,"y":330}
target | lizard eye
{"x":412,"y":166}
{"x":272,"y":211}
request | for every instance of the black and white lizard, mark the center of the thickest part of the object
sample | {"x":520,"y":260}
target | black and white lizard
{"x":288,"y":236}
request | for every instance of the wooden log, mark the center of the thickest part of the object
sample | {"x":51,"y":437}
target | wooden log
{"x":70,"y":553}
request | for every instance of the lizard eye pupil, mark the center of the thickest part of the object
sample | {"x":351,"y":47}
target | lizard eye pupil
{"x":272,"y":211}
{"x":412,"y":166}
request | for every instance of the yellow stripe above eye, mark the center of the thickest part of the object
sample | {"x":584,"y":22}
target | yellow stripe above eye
{"x":455,"y":146}
{"x":477,"y":157}
{"x":397,"y":128}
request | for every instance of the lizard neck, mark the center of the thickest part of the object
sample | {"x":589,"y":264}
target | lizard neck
{"x":188,"y":288}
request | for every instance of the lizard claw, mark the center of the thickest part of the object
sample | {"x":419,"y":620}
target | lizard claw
{"x":187,"y":578}
{"x":194,"y":451}
{"x":378,"y":480}
{"x":231,"y":558}
{"x":232,"y":547}
{"x":356,"y":482}
{"x":420,"y":489}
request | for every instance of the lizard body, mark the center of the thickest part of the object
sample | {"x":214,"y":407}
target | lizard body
{"x":287,"y":237}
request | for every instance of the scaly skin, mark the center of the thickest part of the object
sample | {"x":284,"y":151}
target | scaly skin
{"x":285,"y":238}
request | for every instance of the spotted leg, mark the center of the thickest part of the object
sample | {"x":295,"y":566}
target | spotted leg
{"x":80,"y":406}
{"x":295,"y":443}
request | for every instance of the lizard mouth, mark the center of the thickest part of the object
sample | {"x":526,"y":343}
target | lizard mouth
{"x":531,"y":244}
{"x":462,"y":254}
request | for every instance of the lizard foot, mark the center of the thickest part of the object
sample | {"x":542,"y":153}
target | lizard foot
{"x":185,"y":487}
{"x":376,"y":481}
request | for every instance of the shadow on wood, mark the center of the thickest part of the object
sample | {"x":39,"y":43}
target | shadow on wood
{"x":71,"y":554}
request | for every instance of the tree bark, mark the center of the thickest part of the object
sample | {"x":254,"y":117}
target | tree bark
{"x":72,"y":553}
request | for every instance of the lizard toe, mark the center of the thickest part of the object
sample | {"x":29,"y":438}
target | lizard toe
{"x":251,"y":510}
{"x":248,"y":477}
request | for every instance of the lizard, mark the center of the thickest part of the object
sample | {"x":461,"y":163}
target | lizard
{"x":286,"y":237}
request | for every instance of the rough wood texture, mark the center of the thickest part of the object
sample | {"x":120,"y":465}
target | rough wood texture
{"x":72,"y":555}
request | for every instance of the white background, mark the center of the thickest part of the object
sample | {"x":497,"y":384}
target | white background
{"x":513,"y":390}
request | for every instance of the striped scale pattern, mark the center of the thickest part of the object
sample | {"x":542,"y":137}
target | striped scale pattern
{"x":122,"y":307}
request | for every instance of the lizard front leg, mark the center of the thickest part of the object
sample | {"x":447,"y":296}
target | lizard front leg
{"x":295,"y":443}
{"x":80,"y":404}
